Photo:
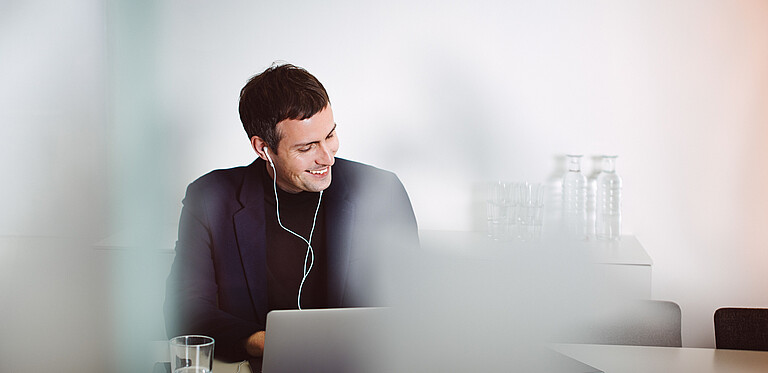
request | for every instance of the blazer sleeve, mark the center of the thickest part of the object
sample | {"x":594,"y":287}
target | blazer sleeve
{"x":191,"y":304}
{"x":384,"y":235}
{"x":400,"y":217}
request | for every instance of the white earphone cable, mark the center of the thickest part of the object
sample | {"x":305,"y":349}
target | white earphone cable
{"x":310,"y":251}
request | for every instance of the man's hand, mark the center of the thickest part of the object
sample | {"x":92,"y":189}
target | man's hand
{"x":254,"y":345}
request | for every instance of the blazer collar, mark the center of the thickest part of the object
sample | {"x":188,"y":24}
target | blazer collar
{"x":253,"y":189}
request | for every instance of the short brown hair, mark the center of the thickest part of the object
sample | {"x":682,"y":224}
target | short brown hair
{"x":280,"y":92}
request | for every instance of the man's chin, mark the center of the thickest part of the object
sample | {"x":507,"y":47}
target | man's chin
{"x":319,"y":185}
{"x":326,"y":184}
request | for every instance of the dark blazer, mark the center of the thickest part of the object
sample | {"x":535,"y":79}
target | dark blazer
{"x":217,"y":285}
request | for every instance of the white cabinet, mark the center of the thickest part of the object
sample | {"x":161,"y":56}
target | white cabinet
{"x":623,"y":264}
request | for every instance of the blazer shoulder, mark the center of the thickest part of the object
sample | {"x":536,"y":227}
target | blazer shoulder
{"x":361,"y":171}
{"x":220,"y":178}
{"x":222,"y":183}
{"x":362,"y":180}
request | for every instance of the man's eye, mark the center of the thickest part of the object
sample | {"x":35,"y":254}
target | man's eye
{"x":305,"y":149}
{"x":332,"y":134}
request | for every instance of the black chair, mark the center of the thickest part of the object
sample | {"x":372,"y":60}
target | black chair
{"x":741,"y":328}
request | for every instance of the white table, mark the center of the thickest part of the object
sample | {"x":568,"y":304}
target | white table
{"x":636,"y":359}
{"x":630,"y":359}
{"x":222,"y":367}
{"x":159,"y":353}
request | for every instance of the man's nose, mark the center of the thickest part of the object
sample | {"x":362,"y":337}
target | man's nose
{"x":325,"y":156}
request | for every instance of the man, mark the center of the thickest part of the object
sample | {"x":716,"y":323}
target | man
{"x":297,"y":228}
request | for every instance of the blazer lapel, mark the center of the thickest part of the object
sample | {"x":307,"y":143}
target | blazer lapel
{"x":251,"y":238}
{"x":339,"y":226}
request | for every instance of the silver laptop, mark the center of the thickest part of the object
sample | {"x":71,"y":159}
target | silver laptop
{"x":324,"y":340}
{"x":364,"y":340}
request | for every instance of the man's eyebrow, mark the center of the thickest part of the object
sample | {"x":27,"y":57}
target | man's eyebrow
{"x":332,"y":129}
{"x":315,"y":142}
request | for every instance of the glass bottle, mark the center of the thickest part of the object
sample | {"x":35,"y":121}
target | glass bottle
{"x":608,"y":201}
{"x":574,"y":199}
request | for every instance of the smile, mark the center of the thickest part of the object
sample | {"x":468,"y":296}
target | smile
{"x":320,"y":172}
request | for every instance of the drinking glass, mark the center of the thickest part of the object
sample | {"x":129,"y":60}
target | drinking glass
{"x":497,"y":210}
{"x":530,"y":211}
{"x":191,"y":354}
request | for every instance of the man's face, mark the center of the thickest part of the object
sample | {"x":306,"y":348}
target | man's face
{"x":306,"y":153}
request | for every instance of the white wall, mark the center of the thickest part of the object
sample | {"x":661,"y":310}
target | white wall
{"x":109,"y":109}
{"x":448,"y":95}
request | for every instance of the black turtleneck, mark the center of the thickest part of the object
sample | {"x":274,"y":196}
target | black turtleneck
{"x":286,"y":252}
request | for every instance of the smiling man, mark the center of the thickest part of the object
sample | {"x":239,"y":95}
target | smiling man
{"x":297,"y":228}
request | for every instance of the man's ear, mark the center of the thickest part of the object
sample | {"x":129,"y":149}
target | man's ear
{"x":258,"y":145}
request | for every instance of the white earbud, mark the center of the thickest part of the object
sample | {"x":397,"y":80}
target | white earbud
{"x":268,"y":157}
